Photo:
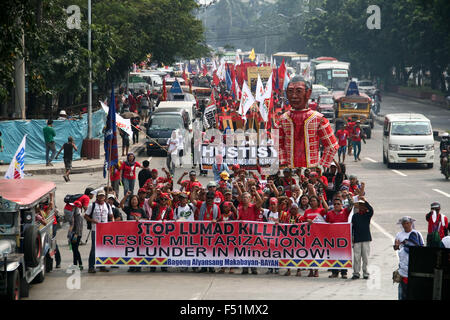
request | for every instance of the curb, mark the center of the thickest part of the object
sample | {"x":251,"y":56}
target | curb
{"x":427,"y":101}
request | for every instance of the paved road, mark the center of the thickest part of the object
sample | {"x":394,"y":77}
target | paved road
{"x":438,"y":115}
{"x":393,"y":194}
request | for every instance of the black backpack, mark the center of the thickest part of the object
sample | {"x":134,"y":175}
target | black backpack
{"x":71,"y":198}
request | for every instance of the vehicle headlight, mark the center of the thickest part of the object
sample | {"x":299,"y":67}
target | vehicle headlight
{"x":394,"y":147}
{"x":429,"y":147}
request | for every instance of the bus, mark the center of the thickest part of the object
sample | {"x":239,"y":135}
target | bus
{"x":333,"y":75}
{"x":290,"y":58}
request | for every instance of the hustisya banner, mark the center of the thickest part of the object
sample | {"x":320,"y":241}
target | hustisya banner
{"x":224,"y":244}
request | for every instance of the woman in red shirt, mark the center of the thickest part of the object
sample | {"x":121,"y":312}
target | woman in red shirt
{"x":338,"y":215}
{"x":315,"y":214}
{"x":115,"y":177}
{"x":128,"y":169}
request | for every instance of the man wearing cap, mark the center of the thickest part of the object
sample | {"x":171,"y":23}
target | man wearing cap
{"x":408,"y":237}
{"x":361,"y":237}
{"x":437,"y":225}
{"x":212,"y":187}
{"x":184,"y":211}
{"x":112,"y":201}
{"x":224,"y":182}
{"x":302,"y":130}
{"x":97,"y":212}
{"x":187,"y":184}
{"x":161,"y":210}
{"x":62,"y":115}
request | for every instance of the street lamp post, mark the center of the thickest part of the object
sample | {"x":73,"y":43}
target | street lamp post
{"x":90,"y":74}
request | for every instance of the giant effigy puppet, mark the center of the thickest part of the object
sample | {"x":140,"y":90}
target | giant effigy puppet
{"x":301,"y":130}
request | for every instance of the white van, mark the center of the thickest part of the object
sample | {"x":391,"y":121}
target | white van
{"x":189,"y":106}
{"x":408,"y":138}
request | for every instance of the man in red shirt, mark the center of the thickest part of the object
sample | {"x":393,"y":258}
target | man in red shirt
{"x":357,"y":135}
{"x":342,"y":135}
{"x":207,"y":211}
{"x":338,"y":215}
{"x":349,"y":127}
{"x":187,"y":184}
{"x":218,"y":198}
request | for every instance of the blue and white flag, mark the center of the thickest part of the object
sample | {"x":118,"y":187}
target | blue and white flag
{"x":110,"y":141}
{"x":17,"y":165}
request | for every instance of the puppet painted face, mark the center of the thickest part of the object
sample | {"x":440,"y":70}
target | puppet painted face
{"x":298,"y":95}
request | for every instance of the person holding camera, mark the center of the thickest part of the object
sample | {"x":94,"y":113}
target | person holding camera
{"x":97,"y":212}
{"x":408,"y":237}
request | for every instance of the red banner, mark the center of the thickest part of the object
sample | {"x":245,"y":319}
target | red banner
{"x":224,"y":244}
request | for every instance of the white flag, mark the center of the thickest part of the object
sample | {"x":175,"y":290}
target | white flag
{"x":257,"y":60}
{"x":221,"y":73}
{"x":122,"y":123}
{"x":265,"y":100}
{"x":268,"y":91}
{"x":259,"y":90}
{"x":17,"y":165}
{"x":238,"y":59}
{"x":247,"y":100}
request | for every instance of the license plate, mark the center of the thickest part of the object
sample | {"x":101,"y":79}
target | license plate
{"x":412,"y":160}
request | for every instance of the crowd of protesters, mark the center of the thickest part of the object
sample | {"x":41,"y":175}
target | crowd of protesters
{"x":293,"y":196}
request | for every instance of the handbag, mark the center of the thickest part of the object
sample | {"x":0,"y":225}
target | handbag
{"x":396,"y":277}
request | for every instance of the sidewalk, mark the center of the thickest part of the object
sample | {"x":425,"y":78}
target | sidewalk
{"x":78,"y":166}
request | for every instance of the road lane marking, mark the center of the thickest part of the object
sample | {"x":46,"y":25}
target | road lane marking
{"x":371,"y":160}
{"x":387,"y":234}
{"x":399,"y":173}
{"x":442,"y":192}
{"x":383,"y":231}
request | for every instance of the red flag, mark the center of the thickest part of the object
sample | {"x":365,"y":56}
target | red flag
{"x":205,"y":70}
{"x":164,"y":93}
{"x":212,"y":99}
{"x":185,"y":75}
{"x":281,"y":74}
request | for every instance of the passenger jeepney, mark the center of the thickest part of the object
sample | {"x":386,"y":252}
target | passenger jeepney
{"x":27,"y":216}
{"x":356,"y":107}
